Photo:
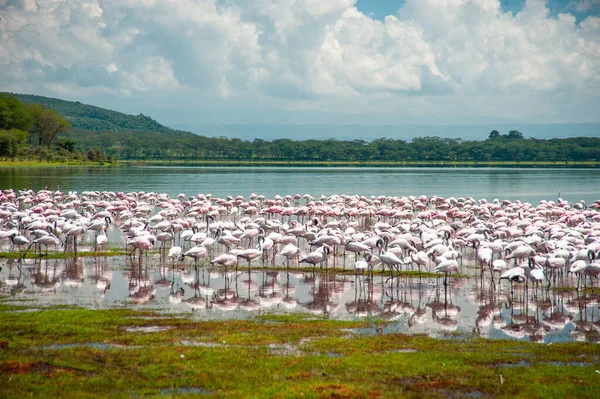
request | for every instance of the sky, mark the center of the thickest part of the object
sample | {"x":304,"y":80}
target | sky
{"x":379,"y":9}
{"x":338,"y":62}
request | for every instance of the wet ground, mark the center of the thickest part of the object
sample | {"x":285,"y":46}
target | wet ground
{"x":466,"y":307}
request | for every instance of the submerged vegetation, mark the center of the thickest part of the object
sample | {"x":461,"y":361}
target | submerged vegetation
{"x":140,"y":138}
{"x":61,"y":254}
{"x":122,"y":353}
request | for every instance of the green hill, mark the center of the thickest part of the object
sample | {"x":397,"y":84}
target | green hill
{"x":89,"y":117}
{"x":129,"y":137}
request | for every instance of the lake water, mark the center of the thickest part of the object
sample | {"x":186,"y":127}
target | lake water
{"x":468,"y":306}
{"x":531,"y":185}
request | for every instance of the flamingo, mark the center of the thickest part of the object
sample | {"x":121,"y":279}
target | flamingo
{"x":46,"y":241}
{"x":521,"y":252}
{"x":446,"y":266}
{"x":356,"y":247}
{"x":74,"y":232}
{"x":19,"y":240}
{"x":361,"y":265}
{"x":290,"y":251}
{"x":578,"y":267}
{"x":250,"y":254}
{"x":101,"y":239}
{"x":555,"y":263}
{"x":196,"y":252}
{"x":175,"y":252}
{"x":592,"y":269}
{"x":388,"y":258}
{"x":141,"y":243}
{"x":536,"y":275}
{"x":420,"y":258}
{"x":516,"y":274}
{"x":164,"y":237}
{"x":266,"y":244}
{"x":318,"y":256}
{"x":249,"y":234}
{"x":226,"y":238}
{"x":226,"y":259}
{"x":484,"y":254}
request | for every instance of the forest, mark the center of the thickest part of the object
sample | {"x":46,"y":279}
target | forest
{"x":88,"y":132}
{"x":511,"y":147}
{"x":35,"y":132}
{"x":89,"y":117}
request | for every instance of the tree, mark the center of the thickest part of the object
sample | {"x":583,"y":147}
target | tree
{"x":14,"y":114}
{"x":35,"y":110}
{"x":11,"y":142}
{"x":47,"y":125}
{"x":66,"y":144}
{"x":494,"y":134}
{"x":515,"y":134}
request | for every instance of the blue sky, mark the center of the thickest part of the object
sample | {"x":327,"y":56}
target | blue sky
{"x":379,"y":9}
{"x":310,"y":61}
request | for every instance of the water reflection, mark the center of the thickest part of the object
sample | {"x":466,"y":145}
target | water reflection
{"x":467,"y":306}
{"x":513,"y":183}
{"x":46,"y":275}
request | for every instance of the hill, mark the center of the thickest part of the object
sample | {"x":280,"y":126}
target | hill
{"x":127,"y":137}
{"x":89,"y":117}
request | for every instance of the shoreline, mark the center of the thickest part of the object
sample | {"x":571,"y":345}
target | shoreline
{"x":45,"y":164}
{"x":309,"y":164}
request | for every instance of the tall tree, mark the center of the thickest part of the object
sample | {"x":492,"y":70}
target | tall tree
{"x":494,"y":134}
{"x":47,"y":125}
{"x":515,"y":134}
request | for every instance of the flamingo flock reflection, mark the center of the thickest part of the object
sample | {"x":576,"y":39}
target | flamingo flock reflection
{"x":530,"y":270}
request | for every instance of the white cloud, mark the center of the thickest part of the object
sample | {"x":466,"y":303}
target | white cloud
{"x":359,"y":54}
{"x":436,"y":56}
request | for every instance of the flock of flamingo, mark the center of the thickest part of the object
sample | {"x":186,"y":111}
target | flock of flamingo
{"x":550,"y":243}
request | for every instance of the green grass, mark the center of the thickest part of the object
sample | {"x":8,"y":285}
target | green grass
{"x":111,"y":252}
{"x":254,"y":162}
{"x":94,"y":353}
{"x":61,"y":254}
{"x":37,"y":164}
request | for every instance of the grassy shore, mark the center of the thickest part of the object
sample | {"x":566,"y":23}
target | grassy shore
{"x":451,"y":164}
{"x":69,"y":352}
{"x":448,"y":164}
{"x":39,"y":164}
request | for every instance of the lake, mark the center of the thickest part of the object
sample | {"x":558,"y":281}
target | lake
{"x":531,"y":185}
{"x":466,"y":307}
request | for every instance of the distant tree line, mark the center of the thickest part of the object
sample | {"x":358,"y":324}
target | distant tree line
{"x":497,"y":147}
{"x":41,"y":128}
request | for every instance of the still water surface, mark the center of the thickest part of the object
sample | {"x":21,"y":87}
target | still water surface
{"x":531,"y":185}
{"x":468,"y":306}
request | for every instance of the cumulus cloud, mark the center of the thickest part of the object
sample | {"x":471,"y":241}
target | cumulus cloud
{"x":324,"y":55}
